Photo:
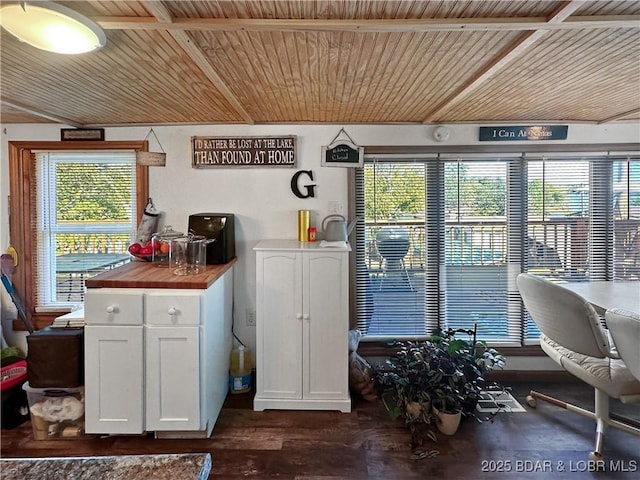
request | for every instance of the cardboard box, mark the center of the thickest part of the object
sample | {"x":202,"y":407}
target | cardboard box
{"x":56,"y":412}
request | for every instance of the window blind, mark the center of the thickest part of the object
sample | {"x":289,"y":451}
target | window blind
{"x":85,"y":219}
{"x":391,"y":260}
{"x":445,"y":236}
{"x":626,"y":218}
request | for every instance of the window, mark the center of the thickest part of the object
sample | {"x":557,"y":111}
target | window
{"x":445,"y":235}
{"x":85,"y":219}
{"x":46,"y":284}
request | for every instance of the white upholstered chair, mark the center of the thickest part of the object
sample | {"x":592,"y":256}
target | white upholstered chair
{"x":625,"y":330}
{"x":572,"y":334}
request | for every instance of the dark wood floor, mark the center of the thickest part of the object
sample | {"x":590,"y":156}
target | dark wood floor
{"x":366,"y":444}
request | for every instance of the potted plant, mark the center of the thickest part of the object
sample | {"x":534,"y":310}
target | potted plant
{"x":473,"y":359}
{"x":427,"y":380}
{"x":405,"y":385}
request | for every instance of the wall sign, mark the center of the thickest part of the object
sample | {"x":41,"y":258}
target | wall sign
{"x":342,"y":153}
{"x":530,"y":132}
{"x":211,"y":152}
{"x":87,"y":134}
{"x":152,"y":159}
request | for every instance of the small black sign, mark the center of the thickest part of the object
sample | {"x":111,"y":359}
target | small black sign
{"x":529,"y":132}
{"x":342,"y":154}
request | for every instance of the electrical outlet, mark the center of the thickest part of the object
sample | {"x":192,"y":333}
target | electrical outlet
{"x":335,"y":206}
{"x":251,"y":317}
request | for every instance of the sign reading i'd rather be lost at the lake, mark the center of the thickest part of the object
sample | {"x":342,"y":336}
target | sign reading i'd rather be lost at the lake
{"x":243,"y":151}
{"x":531,"y":132}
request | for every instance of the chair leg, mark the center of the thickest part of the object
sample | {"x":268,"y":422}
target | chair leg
{"x":533,"y":395}
{"x":602,"y":419}
{"x":601,"y":414}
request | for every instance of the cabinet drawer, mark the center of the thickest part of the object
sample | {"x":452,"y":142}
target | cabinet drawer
{"x":174,"y":308}
{"x":106,"y":306}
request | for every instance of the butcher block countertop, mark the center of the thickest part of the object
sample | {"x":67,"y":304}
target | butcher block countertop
{"x":148,"y":275}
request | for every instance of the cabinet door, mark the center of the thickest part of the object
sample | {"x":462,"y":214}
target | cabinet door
{"x":172,"y":378}
{"x":114,"y":401}
{"x":326,"y":326}
{"x":279,"y":324}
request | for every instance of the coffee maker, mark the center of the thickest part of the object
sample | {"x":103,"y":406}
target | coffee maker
{"x":218,"y":226}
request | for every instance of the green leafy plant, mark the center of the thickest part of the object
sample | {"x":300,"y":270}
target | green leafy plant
{"x":11,"y":353}
{"x":444,"y":371}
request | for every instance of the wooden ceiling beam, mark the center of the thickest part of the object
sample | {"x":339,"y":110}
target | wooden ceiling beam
{"x":504,"y":58}
{"x":635,"y":111}
{"x":39,"y":113}
{"x":199,"y":58}
{"x":389,"y":26}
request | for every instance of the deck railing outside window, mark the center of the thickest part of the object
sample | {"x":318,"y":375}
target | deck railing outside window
{"x":82,"y":256}
{"x":557,"y":248}
{"x":558,"y":245}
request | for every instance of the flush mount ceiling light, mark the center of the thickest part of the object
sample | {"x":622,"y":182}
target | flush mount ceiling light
{"x":51,"y":27}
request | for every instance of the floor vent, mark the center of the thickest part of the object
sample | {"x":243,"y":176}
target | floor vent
{"x":493,"y":401}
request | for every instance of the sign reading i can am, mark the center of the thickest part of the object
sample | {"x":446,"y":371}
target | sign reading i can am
{"x":530,"y":132}
{"x":209,"y":152}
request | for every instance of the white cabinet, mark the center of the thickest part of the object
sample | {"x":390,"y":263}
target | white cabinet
{"x":113,"y":379}
{"x":302,"y":306}
{"x":157,"y":360}
{"x":114,"y":363}
{"x":173,"y":378}
{"x":172,"y":359}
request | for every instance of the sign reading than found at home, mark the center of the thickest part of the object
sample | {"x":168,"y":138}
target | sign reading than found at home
{"x":530,"y":132}
{"x":243,"y":152}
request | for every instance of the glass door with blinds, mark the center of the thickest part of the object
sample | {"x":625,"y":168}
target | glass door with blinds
{"x":444,"y":237}
{"x":86,"y":218}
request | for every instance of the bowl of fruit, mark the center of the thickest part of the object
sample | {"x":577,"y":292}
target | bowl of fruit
{"x":140,"y":252}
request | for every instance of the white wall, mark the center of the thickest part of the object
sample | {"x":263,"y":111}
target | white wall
{"x":260,"y":198}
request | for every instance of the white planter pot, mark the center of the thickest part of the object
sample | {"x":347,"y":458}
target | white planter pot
{"x":447,"y":423}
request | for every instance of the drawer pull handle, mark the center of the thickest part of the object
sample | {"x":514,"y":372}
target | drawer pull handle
{"x":172,"y":311}
{"x":112,"y":309}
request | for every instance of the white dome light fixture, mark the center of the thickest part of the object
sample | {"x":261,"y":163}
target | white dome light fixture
{"x":52,"y":27}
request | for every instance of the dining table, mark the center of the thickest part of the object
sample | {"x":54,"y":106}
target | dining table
{"x":607,"y":295}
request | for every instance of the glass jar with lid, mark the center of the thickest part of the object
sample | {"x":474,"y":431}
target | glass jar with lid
{"x":161,"y":242}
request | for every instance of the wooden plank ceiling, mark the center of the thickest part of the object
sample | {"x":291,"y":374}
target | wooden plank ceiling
{"x":303,"y":61}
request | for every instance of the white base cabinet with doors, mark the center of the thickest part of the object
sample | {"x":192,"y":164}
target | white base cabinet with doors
{"x":302,"y":328}
{"x":156,"y":359}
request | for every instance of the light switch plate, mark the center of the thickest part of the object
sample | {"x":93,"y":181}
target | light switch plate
{"x":251,"y":317}
{"x":335,"y":206}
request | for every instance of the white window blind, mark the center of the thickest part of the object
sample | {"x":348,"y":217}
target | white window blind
{"x":86,"y":218}
{"x":392,"y":259}
{"x":475,"y":272}
{"x":445,"y":236}
{"x":626,"y":218}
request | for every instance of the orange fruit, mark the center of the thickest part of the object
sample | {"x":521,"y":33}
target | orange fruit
{"x":164,"y":248}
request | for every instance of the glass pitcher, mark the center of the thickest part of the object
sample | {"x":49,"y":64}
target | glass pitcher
{"x":189,"y":254}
